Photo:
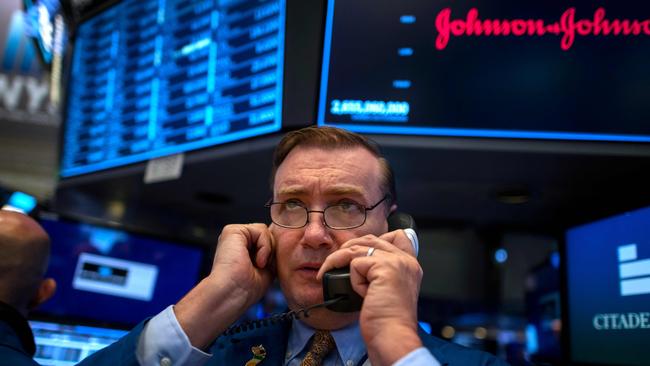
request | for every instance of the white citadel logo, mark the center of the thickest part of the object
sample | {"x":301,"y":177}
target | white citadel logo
{"x":634,"y":275}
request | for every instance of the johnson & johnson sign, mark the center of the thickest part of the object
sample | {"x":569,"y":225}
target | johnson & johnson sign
{"x":567,"y":27}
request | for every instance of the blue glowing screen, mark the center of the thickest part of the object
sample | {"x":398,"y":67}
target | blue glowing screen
{"x":608,"y":287}
{"x":151,"y":78}
{"x":542,"y":70}
{"x":59,"y":344}
{"x":115,"y":276}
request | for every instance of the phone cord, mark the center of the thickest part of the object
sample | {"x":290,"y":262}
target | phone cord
{"x":277,"y":318}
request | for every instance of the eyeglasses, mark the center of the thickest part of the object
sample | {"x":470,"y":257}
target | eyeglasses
{"x":294,"y":215}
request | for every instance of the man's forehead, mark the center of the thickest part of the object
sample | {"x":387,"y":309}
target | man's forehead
{"x":336,"y":189}
{"x":353,"y":154}
{"x":332,"y":171}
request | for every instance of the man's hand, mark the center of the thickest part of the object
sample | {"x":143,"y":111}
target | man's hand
{"x":243,"y":257}
{"x":389,"y":280}
{"x":241,"y":274}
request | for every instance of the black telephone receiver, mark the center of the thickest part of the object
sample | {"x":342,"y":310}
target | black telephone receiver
{"x":336,"y":283}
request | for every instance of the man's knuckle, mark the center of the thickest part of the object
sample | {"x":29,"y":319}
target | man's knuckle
{"x":229,"y":228}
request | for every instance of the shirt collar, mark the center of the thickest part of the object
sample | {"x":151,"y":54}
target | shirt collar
{"x":349,"y":344}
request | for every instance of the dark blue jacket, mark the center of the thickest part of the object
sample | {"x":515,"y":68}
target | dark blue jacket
{"x":236,"y":350}
{"x":16,"y":338}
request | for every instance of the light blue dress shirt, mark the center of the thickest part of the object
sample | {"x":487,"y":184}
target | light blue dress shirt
{"x":156,"y":346}
{"x":349,"y":351}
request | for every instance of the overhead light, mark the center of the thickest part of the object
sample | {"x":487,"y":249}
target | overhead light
{"x":555,"y":259}
{"x":513,"y":196}
{"x":20,"y":202}
{"x":501,"y":255}
{"x":480,"y":333}
{"x":116,"y":210}
{"x":448,"y":331}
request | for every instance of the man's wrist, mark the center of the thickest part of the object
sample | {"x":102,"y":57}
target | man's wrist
{"x":162,"y":338}
{"x":420,"y":356}
{"x":207,"y":310}
{"x":392,"y":344}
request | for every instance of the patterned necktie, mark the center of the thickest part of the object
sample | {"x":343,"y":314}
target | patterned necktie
{"x":322,"y":343}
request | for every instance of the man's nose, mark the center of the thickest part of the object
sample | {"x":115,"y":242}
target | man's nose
{"x":316,"y":233}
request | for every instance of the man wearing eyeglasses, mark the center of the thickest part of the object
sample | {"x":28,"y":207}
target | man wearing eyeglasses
{"x":332,"y":194}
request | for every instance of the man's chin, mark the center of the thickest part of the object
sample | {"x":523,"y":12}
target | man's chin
{"x":322,"y":318}
{"x":305,"y":302}
{"x":305,"y":296}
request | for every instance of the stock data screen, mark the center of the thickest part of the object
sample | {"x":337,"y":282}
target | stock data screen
{"x":553,"y":69}
{"x":151,"y":78}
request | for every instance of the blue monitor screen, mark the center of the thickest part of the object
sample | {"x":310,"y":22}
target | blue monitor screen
{"x":557,"y":69}
{"x":114,"y":276}
{"x":67,"y":344}
{"x":151,"y":78}
{"x":608,"y":290}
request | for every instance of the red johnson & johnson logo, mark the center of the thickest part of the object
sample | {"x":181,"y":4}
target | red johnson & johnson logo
{"x":568,"y":27}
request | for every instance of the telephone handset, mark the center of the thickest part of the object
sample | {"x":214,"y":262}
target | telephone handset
{"x":336,"y":283}
{"x":337,"y":289}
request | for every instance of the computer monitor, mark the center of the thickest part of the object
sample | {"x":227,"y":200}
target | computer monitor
{"x":61,"y":344}
{"x":607,"y":285}
{"x":543,"y":311}
{"x":150,"y":79}
{"x":115,"y":276}
{"x":508,"y":69}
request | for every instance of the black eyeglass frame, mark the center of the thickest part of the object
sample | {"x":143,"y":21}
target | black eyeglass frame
{"x":365,"y":213}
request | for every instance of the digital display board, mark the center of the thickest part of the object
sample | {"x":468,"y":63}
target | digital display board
{"x":608,"y":290}
{"x":115,"y":276}
{"x":572,"y":70}
{"x":151,"y":78}
{"x":59,"y":344}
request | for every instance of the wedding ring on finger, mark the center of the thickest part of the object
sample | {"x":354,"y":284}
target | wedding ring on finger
{"x":370,"y":251}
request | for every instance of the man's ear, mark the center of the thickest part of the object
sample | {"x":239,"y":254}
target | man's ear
{"x":391,"y":210}
{"x":46,"y":290}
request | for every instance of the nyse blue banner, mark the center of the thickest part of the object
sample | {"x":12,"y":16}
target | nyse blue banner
{"x":29,"y":92}
{"x":608,"y":274}
{"x":158,"y":77}
{"x":547,"y":69}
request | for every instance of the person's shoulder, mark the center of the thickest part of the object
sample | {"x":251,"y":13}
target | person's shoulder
{"x":455,"y":354}
{"x":12,"y":351}
{"x":10,"y":356}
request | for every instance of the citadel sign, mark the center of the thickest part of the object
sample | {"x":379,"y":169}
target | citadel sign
{"x":622,"y":321}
